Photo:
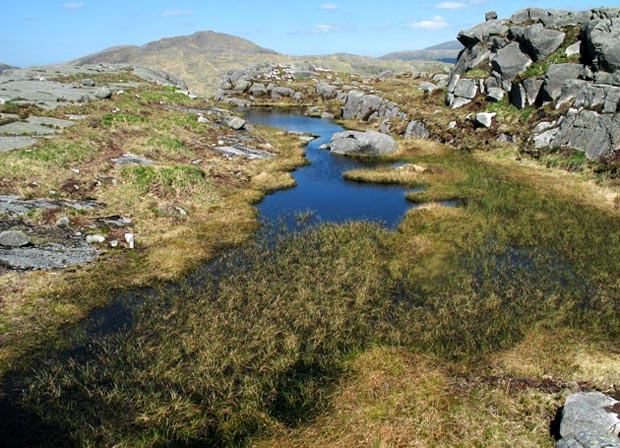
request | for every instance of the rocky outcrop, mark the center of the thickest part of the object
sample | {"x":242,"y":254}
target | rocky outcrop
{"x":262,"y":80}
{"x":514,"y":53}
{"x":362,"y":143}
{"x":590,"y":420}
{"x":368,"y":107}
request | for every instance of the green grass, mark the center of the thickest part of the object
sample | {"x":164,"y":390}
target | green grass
{"x":109,"y":120}
{"x":174,"y":181}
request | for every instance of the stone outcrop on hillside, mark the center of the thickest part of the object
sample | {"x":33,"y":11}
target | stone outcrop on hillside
{"x":584,"y":47}
{"x":354,"y":100}
{"x":46,"y":86}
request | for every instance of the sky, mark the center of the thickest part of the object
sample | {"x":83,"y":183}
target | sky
{"x":39,"y":32}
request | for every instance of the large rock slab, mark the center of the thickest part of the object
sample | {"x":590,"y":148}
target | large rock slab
{"x":510,"y":61}
{"x":11,"y":143}
{"x":588,"y":95}
{"x":362,"y":143}
{"x":25,"y":128}
{"x":556,"y":18}
{"x":15,"y":206}
{"x":352,"y":104}
{"x":556,"y":76}
{"x":52,"y":256}
{"x":598,"y":135}
{"x":602,"y":44}
{"x":538,"y":41}
{"x":590,"y":420}
{"x":482,"y":32}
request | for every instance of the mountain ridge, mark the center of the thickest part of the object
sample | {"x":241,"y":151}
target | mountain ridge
{"x":203,"y":57}
{"x":444,"y":52}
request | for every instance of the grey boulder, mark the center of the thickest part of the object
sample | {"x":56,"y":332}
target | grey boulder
{"x":14,"y":238}
{"x":590,"y":411}
{"x":495,"y":94}
{"x":539,"y":41}
{"x":556,"y":76}
{"x":416,"y":129}
{"x":103,"y":93}
{"x":362,"y":143}
{"x":598,"y":135}
{"x":484,"y":119}
{"x":510,"y":61}
{"x":602,"y":44}
{"x":281,"y":92}
{"x":482,"y":32}
{"x":236,"y":123}
{"x":258,"y":89}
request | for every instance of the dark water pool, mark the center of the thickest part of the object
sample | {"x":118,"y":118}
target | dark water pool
{"x":322,"y":194}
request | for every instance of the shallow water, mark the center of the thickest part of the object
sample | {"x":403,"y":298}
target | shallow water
{"x":321,"y":193}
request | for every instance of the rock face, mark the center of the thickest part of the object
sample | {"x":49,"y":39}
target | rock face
{"x":362,"y":143}
{"x":590,"y":420}
{"x":588,"y":78}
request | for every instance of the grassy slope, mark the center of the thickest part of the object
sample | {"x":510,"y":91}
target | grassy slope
{"x":217,"y":194}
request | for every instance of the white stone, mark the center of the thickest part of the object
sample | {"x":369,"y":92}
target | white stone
{"x":130,"y":240}
{"x":91,"y":239}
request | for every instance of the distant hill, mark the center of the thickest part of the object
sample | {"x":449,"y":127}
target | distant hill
{"x":201,"y":59}
{"x":198,"y":58}
{"x":4,"y":67}
{"x":444,"y":52}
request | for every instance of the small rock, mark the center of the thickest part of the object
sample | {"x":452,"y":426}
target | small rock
{"x":484,"y":119}
{"x":114,"y":221}
{"x":574,"y":49}
{"x":129,"y":158}
{"x":236,"y":123}
{"x":327,"y":116}
{"x":14,"y":238}
{"x":452,"y":125}
{"x":427,"y":87}
{"x":324,"y":146}
{"x":63,"y":222}
{"x":92,"y":239}
{"x":202,"y":119}
{"x":130,"y":240}
{"x":181,"y":211}
{"x":507,"y":138}
{"x":490,"y":15}
{"x":103,"y":93}
{"x":495,"y":94}
{"x":114,"y":243}
{"x":88,"y":83}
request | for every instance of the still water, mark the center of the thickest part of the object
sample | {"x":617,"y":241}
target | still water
{"x":321,"y":194}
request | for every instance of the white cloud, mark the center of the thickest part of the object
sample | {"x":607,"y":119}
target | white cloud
{"x":451,"y":5}
{"x":324,"y":28}
{"x":177,"y":13}
{"x":436,"y":23}
{"x":74,"y":5}
{"x":329,"y":6}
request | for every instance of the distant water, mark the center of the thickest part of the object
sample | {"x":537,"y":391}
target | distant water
{"x":322,"y":195}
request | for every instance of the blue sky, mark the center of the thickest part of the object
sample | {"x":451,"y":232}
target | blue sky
{"x":37,"y":32}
